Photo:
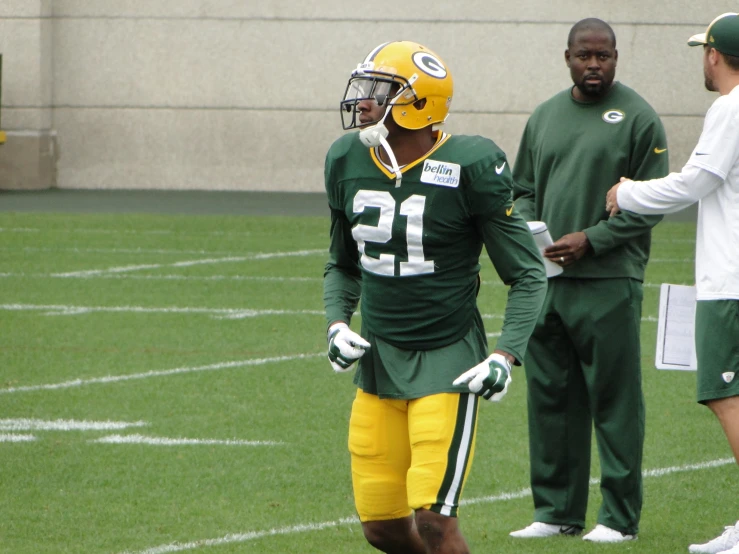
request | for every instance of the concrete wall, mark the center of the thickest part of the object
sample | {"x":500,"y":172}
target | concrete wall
{"x":28,"y":158}
{"x":243,"y":95}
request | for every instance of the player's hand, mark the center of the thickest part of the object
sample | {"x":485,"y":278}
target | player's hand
{"x":568,"y":249}
{"x":612,"y":206}
{"x":344,"y":347}
{"x":489,"y":379}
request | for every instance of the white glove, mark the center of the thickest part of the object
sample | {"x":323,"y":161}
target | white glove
{"x":489,"y":379}
{"x":344,"y":347}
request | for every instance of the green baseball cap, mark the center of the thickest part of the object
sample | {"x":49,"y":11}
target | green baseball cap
{"x":722,"y":34}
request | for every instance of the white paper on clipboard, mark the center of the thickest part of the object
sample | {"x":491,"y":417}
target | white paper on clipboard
{"x":676,"y":328}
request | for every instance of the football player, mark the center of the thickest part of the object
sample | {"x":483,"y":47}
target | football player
{"x":411,"y":208}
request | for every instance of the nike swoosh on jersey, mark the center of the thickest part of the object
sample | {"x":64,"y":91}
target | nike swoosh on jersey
{"x":659,"y":150}
{"x":499,"y":169}
{"x":701,"y":153}
{"x":509,"y":211}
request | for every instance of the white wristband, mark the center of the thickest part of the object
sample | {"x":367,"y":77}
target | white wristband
{"x":334,"y":326}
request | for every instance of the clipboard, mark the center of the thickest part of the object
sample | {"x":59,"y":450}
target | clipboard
{"x":676,"y":328}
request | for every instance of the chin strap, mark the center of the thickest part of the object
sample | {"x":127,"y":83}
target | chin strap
{"x":376,"y":135}
{"x":393,"y":161}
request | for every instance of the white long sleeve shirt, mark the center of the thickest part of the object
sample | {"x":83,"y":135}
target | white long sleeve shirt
{"x":710,"y":177}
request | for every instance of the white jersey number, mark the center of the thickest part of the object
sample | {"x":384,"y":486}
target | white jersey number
{"x":381,"y":233}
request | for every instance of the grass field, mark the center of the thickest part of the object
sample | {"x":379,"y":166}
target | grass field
{"x":164,"y":389}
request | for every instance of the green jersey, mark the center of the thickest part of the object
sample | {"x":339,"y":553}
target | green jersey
{"x":570,"y":155}
{"x":412,"y":251}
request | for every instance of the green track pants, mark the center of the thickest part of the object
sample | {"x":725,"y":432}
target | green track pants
{"x":583,"y":369}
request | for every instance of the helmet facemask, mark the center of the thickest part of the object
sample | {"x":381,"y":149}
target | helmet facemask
{"x":382,"y":88}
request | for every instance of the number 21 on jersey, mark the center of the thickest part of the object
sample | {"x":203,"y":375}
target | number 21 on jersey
{"x":381,"y":233}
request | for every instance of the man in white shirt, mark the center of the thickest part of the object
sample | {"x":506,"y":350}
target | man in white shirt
{"x":710,"y":177}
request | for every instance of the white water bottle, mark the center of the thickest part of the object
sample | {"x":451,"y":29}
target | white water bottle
{"x":544,"y":239}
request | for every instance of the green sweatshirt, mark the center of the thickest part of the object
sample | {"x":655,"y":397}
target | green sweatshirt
{"x":570,"y":155}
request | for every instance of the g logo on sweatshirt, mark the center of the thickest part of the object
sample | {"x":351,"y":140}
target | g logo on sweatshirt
{"x":613,"y":116}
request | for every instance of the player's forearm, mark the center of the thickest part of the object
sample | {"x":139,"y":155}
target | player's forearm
{"x":669,"y":194}
{"x":525,"y":299}
{"x":341,"y":292}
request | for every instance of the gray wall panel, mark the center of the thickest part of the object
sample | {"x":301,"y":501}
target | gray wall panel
{"x":192,"y":149}
{"x":663,"y":12}
{"x":223,"y":64}
{"x":25,"y":8}
{"x":233,"y":94}
{"x":27,"y":120}
{"x":26,"y":77}
{"x":28,"y":158}
{"x":190,"y":63}
{"x":227,"y":150}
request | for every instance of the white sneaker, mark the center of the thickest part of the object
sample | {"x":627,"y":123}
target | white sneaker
{"x":727,"y":541}
{"x":601,"y":533}
{"x":539,"y":530}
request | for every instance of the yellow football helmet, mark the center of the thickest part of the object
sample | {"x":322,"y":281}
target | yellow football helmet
{"x":400,"y":73}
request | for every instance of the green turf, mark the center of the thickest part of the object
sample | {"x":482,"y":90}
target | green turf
{"x":155,"y":293}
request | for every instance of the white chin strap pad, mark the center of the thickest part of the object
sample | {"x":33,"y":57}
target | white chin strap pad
{"x":376,"y":135}
{"x":372,"y":136}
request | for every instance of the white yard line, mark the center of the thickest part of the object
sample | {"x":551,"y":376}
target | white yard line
{"x":160,"y":373}
{"x":169,"y":277}
{"x":306,"y":527}
{"x":218,"y":313}
{"x":189,"y":263}
{"x":659,"y":472}
{"x":244,"y":537}
{"x":174,"y":277}
{"x":645,"y":285}
{"x":132,"y":232}
{"x":164,"y":441}
{"x":7,"y":437}
{"x":501,"y":316}
{"x":35,"y":249}
{"x":22,"y":424}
